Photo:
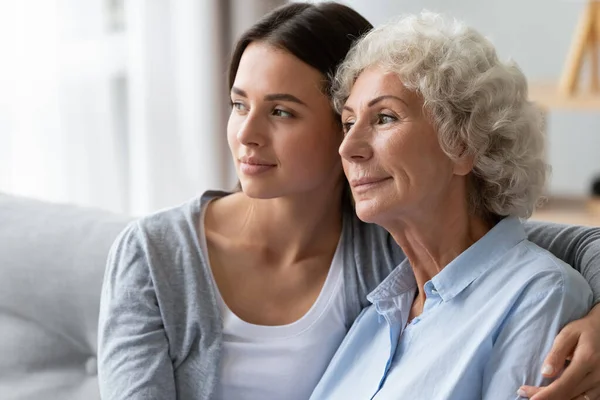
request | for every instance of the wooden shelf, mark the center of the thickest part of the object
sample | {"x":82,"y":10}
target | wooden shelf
{"x":577,"y":211}
{"x":548,"y":96}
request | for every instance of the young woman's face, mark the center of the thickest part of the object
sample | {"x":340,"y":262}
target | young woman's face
{"x":282,"y":132}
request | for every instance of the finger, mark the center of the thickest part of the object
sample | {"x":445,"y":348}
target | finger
{"x":563,"y":387}
{"x":562,"y":350}
{"x":529,"y":391}
{"x":588,"y":384}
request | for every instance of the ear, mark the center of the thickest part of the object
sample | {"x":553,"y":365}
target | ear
{"x":464,"y":164}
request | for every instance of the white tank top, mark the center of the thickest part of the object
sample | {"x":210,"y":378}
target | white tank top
{"x":282,"y":362}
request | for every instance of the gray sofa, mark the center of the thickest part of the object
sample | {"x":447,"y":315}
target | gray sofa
{"x":52,"y":260}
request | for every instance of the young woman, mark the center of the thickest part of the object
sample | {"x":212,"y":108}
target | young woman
{"x":248,"y":295}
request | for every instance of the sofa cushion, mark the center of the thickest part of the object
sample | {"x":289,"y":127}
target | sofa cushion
{"x":52,"y":260}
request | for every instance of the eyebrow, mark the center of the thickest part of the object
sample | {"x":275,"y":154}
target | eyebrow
{"x":272,"y":97}
{"x":385,"y":96}
{"x":377,"y":100}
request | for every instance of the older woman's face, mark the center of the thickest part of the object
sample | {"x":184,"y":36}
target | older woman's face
{"x":390,"y":153}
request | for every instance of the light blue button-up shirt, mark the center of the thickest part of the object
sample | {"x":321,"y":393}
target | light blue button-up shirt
{"x":490,"y":317}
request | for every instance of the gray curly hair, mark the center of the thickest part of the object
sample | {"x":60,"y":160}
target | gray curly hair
{"x":476,"y":103}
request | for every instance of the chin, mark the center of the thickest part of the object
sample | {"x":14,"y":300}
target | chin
{"x":258,"y":191}
{"x":366,"y":211}
{"x":262,"y":189}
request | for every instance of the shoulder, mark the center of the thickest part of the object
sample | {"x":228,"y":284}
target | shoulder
{"x":159,"y":257}
{"x":544,"y":277}
{"x":546,"y":267}
{"x":164,"y":244}
{"x":175,"y":226}
{"x":145,"y":242}
{"x":161,"y":225}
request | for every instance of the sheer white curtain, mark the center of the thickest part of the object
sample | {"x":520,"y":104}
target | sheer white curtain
{"x":129,"y":118}
{"x":179,"y":99}
{"x":56,"y":135}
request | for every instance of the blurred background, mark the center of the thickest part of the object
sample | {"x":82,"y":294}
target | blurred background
{"x":122,"y":104}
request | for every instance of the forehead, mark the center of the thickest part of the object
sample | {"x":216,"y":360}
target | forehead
{"x":376,"y":81}
{"x":267,"y":69}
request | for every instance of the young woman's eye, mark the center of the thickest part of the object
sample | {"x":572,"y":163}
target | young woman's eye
{"x":239,"y":106}
{"x":385,"y":119}
{"x":278,"y":112}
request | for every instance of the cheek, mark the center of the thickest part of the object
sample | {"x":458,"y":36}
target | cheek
{"x":398,"y":152}
{"x":428,"y":166}
{"x":320,"y":144}
{"x":326,"y":147}
{"x":232,"y":129}
{"x":315,"y":153}
{"x":311,"y":154}
{"x":438,"y":162}
{"x":414,"y":158}
{"x":346,"y":166}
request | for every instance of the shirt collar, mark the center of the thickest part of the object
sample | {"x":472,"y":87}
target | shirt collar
{"x":399,"y":281}
{"x":393,"y":297}
{"x":461,"y":271}
{"x":478,"y":258}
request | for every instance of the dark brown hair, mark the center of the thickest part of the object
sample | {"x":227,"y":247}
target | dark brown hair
{"x":318,"y":34}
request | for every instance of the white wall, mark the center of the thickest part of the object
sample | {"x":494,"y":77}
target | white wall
{"x":536,"y":34}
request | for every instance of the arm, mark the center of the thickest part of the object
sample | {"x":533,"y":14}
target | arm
{"x":576,"y":245}
{"x":133,"y":352}
{"x":528,"y":332}
{"x":580,"y":340}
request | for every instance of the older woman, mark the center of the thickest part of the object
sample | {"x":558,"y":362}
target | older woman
{"x":444,"y":150}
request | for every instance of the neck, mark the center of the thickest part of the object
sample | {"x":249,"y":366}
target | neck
{"x":291,"y":228}
{"x":433,"y":238}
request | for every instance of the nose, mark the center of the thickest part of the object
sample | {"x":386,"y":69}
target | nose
{"x":251,"y":132}
{"x":356,"y":146}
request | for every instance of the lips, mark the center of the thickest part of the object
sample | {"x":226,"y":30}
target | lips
{"x":253,"y":160}
{"x":367,"y":183}
{"x":255,"y":166}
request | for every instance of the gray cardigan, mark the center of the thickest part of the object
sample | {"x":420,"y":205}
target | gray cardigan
{"x":160,"y":326}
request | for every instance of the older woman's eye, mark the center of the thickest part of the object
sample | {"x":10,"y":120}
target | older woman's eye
{"x":385,"y":119}
{"x":346,"y":126}
{"x":278,"y":112}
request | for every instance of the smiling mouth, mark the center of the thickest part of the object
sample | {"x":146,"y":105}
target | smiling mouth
{"x":363,"y":185}
{"x":254,"y":168}
{"x":255,"y":161}
{"x":257,"y":164}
